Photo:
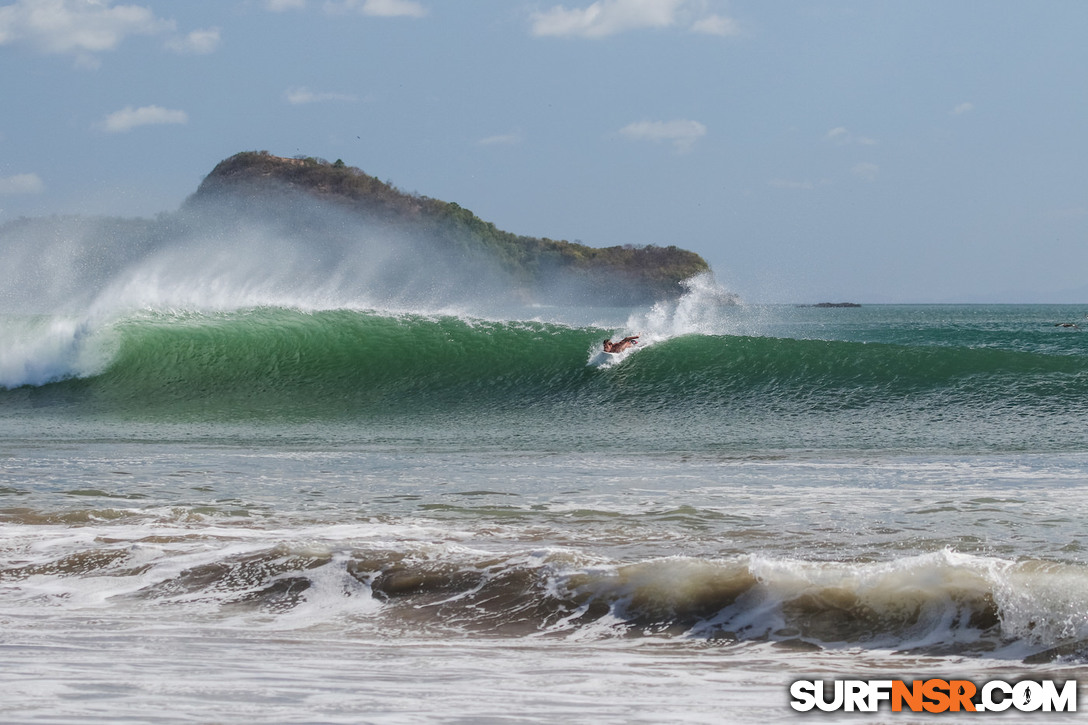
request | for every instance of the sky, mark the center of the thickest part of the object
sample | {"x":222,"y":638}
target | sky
{"x":866,"y":151}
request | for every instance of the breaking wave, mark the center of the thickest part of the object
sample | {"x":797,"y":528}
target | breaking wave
{"x":337,"y":362}
{"x":394,"y":577}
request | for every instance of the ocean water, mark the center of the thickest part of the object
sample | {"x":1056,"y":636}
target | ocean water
{"x":291,"y":511}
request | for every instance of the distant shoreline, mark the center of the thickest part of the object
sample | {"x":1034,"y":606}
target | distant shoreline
{"x":833,"y":304}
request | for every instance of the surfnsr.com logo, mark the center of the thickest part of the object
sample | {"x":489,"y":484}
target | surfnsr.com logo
{"x":933,"y":695}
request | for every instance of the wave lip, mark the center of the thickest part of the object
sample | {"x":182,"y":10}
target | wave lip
{"x":44,"y":349}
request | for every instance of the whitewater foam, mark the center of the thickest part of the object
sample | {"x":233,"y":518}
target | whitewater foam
{"x":705,"y":308}
{"x":44,"y":349}
{"x":396,"y":574}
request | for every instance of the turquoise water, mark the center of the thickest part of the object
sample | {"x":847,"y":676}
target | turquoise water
{"x":293,"y":512}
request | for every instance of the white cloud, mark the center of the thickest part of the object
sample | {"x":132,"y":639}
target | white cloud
{"x":963,"y":108}
{"x":866,"y":171}
{"x":716,"y":25}
{"x":606,"y":17}
{"x":378,"y":8}
{"x":198,"y":42}
{"x":301,"y":95}
{"x":21,"y":184}
{"x":278,"y":6}
{"x":681,"y":133}
{"x":843,"y":137}
{"x":77,"y":27}
{"x":129,"y":118}
{"x":838,"y":135}
{"x":609,"y":17}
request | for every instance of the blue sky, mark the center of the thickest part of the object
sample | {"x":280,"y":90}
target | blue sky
{"x":923,"y":151}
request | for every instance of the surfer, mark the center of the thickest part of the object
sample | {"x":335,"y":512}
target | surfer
{"x":622,"y":345}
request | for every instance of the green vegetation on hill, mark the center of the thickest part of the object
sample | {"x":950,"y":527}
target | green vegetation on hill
{"x":644,"y":272}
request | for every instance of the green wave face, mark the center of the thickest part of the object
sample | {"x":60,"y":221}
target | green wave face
{"x":705,"y":391}
{"x":333,"y":362}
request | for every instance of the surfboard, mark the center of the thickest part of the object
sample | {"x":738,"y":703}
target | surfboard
{"x":602,"y":359}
